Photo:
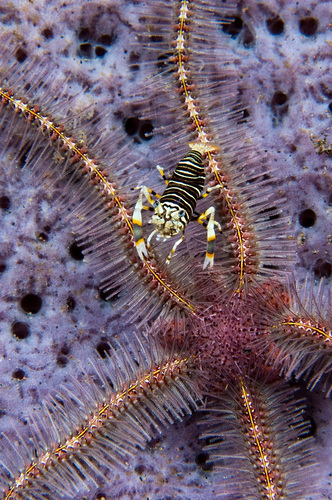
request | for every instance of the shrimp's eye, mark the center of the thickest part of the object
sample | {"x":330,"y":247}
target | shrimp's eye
{"x":181,"y":213}
{"x":155,"y":204}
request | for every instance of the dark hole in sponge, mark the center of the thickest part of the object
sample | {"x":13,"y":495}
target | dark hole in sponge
{"x":64,"y":350}
{"x":20,"y":55}
{"x":103,"y":348}
{"x":20,"y":330}
{"x":111,"y":295}
{"x":47,"y":33}
{"x":100,"y":51}
{"x":2,"y":267}
{"x":103,"y":295}
{"x":279,"y":98}
{"x":233,"y":28}
{"x":18,"y":374}
{"x":70,"y":303}
{"x":75,"y":251}
{"x":4,"y":202}
{"x":132,"y":125}
{"x":322,"y":269}
{"x":31,"y":303}
{"x":86,"y":50}
{"x":84,"y":34}
{"x":61,"y":360}
{"x":201,"y":460}
{"x":307,"y":218}
{"x":43,"y":237}
{"x":275,"y":25}
{"x":145,"y":130}
{"x":308,"y":26}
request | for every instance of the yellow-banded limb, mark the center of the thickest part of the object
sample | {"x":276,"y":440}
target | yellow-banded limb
{"x":211,"y":235}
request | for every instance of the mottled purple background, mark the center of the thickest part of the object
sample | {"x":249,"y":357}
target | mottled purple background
{"x":90,"y":41}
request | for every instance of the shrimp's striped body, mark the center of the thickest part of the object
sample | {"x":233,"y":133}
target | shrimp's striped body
{"x":176,"y":206}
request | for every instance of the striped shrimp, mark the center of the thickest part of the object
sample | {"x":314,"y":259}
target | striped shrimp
{"x":174,"y":209}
